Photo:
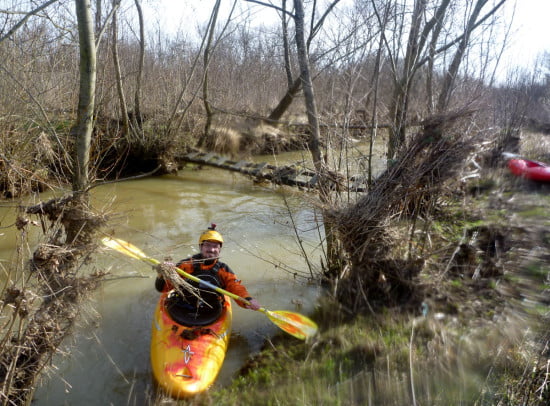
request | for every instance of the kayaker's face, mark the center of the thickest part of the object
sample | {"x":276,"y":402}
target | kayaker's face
{"x":210,"y":249}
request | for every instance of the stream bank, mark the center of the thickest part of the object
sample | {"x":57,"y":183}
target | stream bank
{"x":480,"y":336}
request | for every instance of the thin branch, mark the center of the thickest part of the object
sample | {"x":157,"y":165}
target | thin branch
{"x":315,"y":29}
{"x":24,"y":19}
{"x":140,"y":176}
{"x":109,"y":17}
{"x":459,"y":38}
{"x":261,"y":3}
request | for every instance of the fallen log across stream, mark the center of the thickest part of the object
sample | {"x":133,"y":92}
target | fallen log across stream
{"x":289,"y":175}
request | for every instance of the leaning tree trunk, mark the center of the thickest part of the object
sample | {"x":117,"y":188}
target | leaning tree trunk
{"x":286,"y":101}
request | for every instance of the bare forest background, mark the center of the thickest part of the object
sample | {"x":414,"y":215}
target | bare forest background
{"x":93,"y":91}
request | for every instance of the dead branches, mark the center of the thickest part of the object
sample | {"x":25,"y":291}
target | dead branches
{"x":409,"y":188}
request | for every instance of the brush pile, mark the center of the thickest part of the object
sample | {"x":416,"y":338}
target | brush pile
{"x":39,"y":312}
{"x":409,"y":189}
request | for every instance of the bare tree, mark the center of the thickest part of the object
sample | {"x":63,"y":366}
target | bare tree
{"x":118,"y":75}
{"x":46,"y":322}
{"x":418,"y":53}
{"x":206,"y":61}
{"x":138,"y":120}
{"x":84,"y":122}
{"x":404,"y":76}
{"x":452,"y":71}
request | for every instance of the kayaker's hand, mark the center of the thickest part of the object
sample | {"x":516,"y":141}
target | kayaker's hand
{"x":253,"y":304}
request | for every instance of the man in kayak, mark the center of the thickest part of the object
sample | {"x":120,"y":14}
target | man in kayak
{"x":207,"y":266}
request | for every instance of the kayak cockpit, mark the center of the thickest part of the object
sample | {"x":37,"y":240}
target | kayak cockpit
{"x":194,"y":309}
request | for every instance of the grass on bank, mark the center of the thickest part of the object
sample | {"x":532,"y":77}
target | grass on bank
{"x":385,"y":359}
{"x":474,"y":342}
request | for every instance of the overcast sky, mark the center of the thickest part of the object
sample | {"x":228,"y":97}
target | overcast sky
{"x":530,"y":31}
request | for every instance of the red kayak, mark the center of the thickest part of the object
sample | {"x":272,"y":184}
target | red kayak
{"x":533,"y":170}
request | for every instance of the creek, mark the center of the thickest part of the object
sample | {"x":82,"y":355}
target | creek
{"x":106,"y":361}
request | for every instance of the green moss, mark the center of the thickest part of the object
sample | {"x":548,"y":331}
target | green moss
{"x":533,"y":212}
{"x":457,"y":283}
{"x":538,"y":271}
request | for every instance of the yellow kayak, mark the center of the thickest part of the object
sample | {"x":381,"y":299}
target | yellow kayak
{"x":187,"y":354}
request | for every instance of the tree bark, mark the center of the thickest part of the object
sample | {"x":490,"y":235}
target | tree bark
{"x":311,"y":107}
{"x":206,"y":62}
{"x":138,"y":119}
{"x":400,"y":100}
{"x":332,"y":257}
{"x":118,"y":76}
{"x":86,"y":99}
{"x":286,"y":47}
{"x":403,"y":79}
{"x":286,"y":101}
{"x":294,"y":86}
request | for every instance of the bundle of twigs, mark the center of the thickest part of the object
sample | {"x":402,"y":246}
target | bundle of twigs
{"x":180,"y":284}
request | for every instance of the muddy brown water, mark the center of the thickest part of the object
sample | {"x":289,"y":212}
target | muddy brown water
{"x":107,"y":360}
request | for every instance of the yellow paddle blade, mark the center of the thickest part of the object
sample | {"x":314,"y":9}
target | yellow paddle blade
{"x":126,"y":248}
{"x":294,"y":324}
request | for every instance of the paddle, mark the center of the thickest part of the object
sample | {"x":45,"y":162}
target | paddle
{"x":294,"y":324}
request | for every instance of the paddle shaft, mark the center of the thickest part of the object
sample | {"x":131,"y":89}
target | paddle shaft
{"x":293,"y":323}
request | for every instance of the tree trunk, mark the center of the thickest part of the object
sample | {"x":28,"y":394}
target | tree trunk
{"x":286,"y":47}
{"x":311,"y":107}
{"x":206,"y":62}
{"x":374,"y":114}
{"x":118,"y":76}
{"x":207,"y":107}
{"x":138,"y":119}
{"x":286,"y":101}
{"x":403,"y":83}
{"x":333,"y":264}
{"x":84,"y":121}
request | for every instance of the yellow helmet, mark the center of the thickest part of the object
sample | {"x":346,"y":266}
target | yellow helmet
{"x":211,"y":235}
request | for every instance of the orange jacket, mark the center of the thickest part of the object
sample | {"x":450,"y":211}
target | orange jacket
{"x":218,"y":274}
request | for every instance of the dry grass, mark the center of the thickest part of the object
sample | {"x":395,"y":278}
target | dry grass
{"x":535,"y":145}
